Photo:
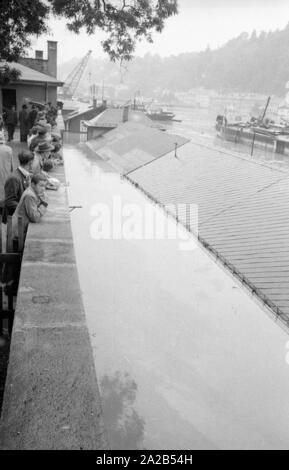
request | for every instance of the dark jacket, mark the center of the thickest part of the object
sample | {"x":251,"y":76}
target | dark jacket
{"x":32,"y":117}
{"x":15,"y":186}
{"x":11,"y":117}
{"x":24,"y":122}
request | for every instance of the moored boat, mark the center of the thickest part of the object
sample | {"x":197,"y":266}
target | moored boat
{"x":160,"y":115}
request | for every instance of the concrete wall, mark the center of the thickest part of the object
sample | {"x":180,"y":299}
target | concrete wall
{"x":73,"y":125}
{"x":94,"y":132}
{"x":51,"y":396}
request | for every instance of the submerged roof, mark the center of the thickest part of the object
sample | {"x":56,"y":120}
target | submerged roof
{"x":132,"y":145}
{"x":85,"y":113}
{"x":31,"y":75}
{"x":112,"y":117}
{"x":243,"y":213}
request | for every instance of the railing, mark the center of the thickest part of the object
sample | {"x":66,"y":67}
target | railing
{"x":10,"y":264}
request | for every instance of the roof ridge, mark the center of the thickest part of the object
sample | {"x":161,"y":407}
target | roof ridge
{"x":24,"y":68}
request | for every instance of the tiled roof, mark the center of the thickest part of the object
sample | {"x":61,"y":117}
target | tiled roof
{"x":132,"y":145}
{"x":31,"y":75}
{"x":85,"y":113}
{"x":243,"y":213}
{"x":112,"y":117}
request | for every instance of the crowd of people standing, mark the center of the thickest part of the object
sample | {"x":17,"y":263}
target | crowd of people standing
{"x":22,"y":188}
{"x":27,"y":118}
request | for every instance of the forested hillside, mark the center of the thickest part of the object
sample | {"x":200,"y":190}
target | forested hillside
{"x":255,"y":63}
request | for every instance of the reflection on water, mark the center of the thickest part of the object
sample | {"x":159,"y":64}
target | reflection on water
{"x":125,"y":427}
{"x":184,"y":357}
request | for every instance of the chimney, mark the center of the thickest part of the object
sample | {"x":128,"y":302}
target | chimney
{"x":125,"y":114}
{"x":38,"y":54}
{"x":52,"y":58}
{"x":94,"y":102}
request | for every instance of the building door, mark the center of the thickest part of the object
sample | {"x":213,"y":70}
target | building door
{"x":8,"y":98}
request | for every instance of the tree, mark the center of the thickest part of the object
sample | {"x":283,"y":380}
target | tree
{"x":125,"y":21}
{"x":18,"y":21}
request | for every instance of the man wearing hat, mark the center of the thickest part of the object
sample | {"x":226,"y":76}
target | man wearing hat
{"x":42,"y":154}
{"x":42,"y":136}
{"x":6,"y":165}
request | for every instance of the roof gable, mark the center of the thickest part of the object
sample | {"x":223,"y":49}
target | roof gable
{"x":112,"y":117}
{"x":88,"y":113}
{"x":132,"y":145}
{"x":31,"y":75}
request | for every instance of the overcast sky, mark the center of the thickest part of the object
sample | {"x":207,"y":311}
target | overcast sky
{"x":198,"y":24}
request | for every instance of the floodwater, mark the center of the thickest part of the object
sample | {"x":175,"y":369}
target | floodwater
{"x":199,"y":126}
{"x":185,"y":358}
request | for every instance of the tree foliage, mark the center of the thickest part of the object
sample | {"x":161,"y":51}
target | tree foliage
{"x":124,"y":21}
{"x":18,"y":21}
{"x":8,"y":74}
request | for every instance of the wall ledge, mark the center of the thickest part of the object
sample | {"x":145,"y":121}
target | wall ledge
{"x":51,"y":398}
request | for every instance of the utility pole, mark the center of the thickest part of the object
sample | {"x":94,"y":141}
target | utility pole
{"x":176,"y":146}
{"x":266,"y":107}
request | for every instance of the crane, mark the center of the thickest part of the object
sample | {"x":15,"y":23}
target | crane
{"x":72,"y":81}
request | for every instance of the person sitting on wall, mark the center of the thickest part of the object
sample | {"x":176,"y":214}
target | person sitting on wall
{"x":16,"y":183}
{"x":11,"y":121}
{"x":24,"y":123}
{"x":32,"y":205}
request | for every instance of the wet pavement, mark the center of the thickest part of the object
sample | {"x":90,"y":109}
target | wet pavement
{"x":185,"y":358}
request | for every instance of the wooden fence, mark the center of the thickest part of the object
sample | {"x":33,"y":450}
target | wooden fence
{"x":10,"y":265}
